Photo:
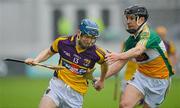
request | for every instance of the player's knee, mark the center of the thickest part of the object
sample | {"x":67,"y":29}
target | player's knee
{"x":125,"y":104}
{"x":42,"y":105}
{"x":47,"y":102}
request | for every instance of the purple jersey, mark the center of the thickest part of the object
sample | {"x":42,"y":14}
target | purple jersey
{"x":76,"y":62}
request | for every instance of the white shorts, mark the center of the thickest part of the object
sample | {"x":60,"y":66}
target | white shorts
{"x":153,"y":89}
{"x":63,"y":95}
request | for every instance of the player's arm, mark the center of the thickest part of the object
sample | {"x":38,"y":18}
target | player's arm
{"x":104,"y":68}
{"x":45,"y":54}
{"x":134,"y":52}
{"x":131,"y":53}
{"x":139,"y":48}
{"x":99,"y":84}
{"x":42,"y":56}
{"x":115,"y":68}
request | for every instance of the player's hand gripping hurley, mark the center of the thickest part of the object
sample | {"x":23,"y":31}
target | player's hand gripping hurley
{"x":37,"y":64}
{"x":87,"y":76}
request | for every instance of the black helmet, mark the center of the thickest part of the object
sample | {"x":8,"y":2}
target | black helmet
{"x":137,"y":10}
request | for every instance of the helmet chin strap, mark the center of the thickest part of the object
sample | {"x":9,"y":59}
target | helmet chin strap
{"x":79,"y":43}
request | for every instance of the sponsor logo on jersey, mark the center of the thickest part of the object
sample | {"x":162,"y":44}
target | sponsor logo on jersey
{"x":74,"y":68}
{"x":67,"y":53}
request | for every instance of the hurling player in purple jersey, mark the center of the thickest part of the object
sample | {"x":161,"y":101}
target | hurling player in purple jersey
{"x":78,"y":54}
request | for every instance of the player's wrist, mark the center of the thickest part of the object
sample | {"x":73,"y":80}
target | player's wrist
{"x":36,"y":60}
{"x":101,"y":79}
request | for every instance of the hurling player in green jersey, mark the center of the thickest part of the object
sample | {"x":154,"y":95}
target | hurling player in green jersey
{"x":152,"y":77}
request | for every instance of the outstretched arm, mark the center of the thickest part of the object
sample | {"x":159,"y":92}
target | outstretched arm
{"x":115,"y":68}
{"x":134,"y":52}
{"x":112,"y":70}
{"x":42,"y":56}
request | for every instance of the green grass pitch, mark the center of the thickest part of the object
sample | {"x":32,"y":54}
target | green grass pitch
{"x":23,"y":92}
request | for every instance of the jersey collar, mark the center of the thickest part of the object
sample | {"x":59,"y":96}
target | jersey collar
{"x":139,"y":31}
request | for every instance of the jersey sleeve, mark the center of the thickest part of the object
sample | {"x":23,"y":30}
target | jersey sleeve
{"x":54,"y":45}
{"x":149,"y":38}
{"x":101,"y":53}
{"x":144,"y":37}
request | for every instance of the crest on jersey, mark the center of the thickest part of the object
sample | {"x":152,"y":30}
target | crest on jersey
{"x":86,"y":62}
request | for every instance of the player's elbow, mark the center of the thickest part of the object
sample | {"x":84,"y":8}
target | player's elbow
{"x":138,"y":51}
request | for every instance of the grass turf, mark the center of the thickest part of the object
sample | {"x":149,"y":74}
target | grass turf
{"x":22,"y":92}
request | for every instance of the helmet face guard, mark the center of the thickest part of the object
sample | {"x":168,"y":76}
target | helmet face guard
{"x":86,"y":45}
{"x":135,"y":12}
{"x":88,"y":29}
{"x":126,"y":21}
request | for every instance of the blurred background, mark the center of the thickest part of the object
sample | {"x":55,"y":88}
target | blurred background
{"x":29,"y":26}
